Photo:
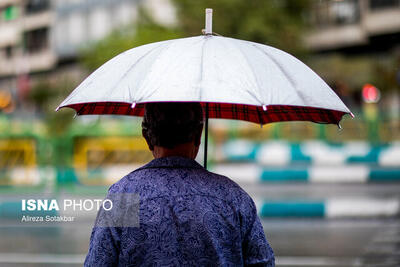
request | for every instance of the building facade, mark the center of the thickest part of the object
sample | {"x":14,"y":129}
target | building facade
{"x":25,"y":43}
{"x":38,"y":36}
{"x":355,"y":25}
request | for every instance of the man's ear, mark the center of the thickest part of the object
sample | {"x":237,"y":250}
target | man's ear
{"x":151,"y":147}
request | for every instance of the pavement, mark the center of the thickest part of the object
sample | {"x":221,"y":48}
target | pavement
{"x":335,"y":206}
{"x":295,"y":242}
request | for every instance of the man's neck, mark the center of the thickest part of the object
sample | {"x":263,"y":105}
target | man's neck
{"x":187,"y":150}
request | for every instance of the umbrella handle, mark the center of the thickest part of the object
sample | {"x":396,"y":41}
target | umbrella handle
{"x":206,"y":138}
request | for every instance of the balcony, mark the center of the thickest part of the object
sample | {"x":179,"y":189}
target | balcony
{"x":37,"y":20}
{"x":349,"y":23}
{"x":382,"y":21}
{"x":40,"y":61}
{"x":334,"y":37}
{"x":9,"y":34}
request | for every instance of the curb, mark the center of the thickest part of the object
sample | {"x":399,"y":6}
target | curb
{"x":330,"y":208}
{"x":253,"y":173}
{"x":13,"y":210}
{"x":311,"y":152}
{"x":23,"y":176}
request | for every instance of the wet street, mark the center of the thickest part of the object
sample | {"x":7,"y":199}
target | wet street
{"x":335,"y":243}
{"x":92,"y":91}
{"x":296,"y":241}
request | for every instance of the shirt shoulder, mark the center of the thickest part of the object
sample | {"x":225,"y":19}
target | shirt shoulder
{"x":153,"y":182}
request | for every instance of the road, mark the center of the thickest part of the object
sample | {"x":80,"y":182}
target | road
{"x":296,"y":242}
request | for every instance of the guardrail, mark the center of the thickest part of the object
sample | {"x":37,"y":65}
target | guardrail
{"x":253,"y":173}
{"x":281,"y":153}
{"x":99,"y":152}
{"x":330,"y":208}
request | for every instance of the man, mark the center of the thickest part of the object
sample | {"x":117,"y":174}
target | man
{"x":188,"y":216}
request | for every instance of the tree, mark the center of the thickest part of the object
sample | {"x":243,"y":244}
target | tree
{"x":278,"y":23}
{"x":143,"y":32}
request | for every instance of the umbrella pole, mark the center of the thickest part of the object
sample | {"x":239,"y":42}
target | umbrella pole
{"x":206,"y":138}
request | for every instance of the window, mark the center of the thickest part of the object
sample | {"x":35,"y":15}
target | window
{"x":328,"y":13}
{"x":377,"y":4}
{"x":9,"y":50}
{"x":9,"y":13}
{"x":36,"y":40}
{"x":34,"y":6}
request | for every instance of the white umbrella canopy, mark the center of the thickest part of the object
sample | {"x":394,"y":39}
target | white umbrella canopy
{"x":204,"y":69}
{"x":233,"y":79}
{"x":233,"y":76}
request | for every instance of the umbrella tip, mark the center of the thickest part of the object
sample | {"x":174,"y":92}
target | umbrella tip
{"x":265,"y":107}
{"x":352,"y":115}
{"x":57,"y":108}
{"x":339,"y":126}
{"x":133,"y":105}
{"x":208,"y":29}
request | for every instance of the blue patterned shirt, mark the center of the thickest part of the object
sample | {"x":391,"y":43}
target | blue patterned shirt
{"x":188,"y":217}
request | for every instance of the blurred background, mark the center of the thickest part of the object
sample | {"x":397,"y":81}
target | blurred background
{"x":327,"y":197}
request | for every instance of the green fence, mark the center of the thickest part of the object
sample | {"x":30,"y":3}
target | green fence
{"x":31,"y":156}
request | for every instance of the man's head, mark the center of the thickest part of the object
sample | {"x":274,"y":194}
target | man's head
{"x":173,"y":128}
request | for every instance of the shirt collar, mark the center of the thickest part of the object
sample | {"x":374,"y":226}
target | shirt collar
{"x":172,"y":162}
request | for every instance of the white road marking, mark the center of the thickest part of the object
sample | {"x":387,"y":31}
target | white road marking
{"x":359,"y":207}
{"x":316,"y":261}
{"x":274,"y":153}
{"x":42,"y":258}
{"x":343,"y":173}
{"x":240,"y":173}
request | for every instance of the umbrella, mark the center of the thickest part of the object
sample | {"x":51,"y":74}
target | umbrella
{"x":231,"y":78}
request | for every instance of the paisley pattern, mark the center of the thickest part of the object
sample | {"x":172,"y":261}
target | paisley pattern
{"x":188,"y":217}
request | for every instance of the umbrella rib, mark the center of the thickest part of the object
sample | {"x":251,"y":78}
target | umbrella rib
{"x":201,"y":69}
{"x":132,"y":66}
{"x":148,"y":73}
{"x":154,"y":91}
{"x":73,"y":93}
{"x":252,"y":72}
{"x":292,"y":82}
